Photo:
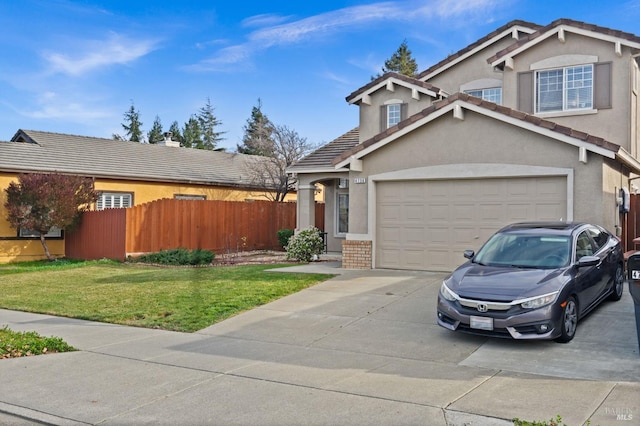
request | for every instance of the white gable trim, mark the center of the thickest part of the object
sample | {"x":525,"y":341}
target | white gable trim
{"x":389,"y":84}
{"x":455,"y":107}
{"x":567,"y":28}
{"x":508,"y":32}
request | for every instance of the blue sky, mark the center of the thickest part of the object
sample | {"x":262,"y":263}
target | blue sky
{"x":76,"y":66}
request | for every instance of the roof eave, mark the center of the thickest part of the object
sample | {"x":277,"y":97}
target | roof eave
{"x":477,"y":49}
{"x":568,"y":28}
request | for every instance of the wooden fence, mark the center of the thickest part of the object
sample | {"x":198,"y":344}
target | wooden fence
{"x":219,"y":226}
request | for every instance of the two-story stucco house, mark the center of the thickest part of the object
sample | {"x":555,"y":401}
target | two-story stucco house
{"x":527,"y":123}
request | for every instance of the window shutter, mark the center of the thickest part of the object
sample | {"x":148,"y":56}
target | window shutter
{"x":403,"y":111}
{"x":602,"y":85}
{"x":383,"y":118}
{"x":525,"y":92}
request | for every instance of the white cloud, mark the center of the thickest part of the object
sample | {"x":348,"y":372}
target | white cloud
{"x":94,"y":54}
{"x":341,"y":20}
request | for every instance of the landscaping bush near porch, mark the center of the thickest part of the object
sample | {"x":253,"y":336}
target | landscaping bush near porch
{"x":181,"y":299}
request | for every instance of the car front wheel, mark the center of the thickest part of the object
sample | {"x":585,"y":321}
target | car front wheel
{"x":569,"y":322}
{"x":618,"y":284}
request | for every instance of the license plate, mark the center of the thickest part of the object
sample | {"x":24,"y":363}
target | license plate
{"x":482,"y":323}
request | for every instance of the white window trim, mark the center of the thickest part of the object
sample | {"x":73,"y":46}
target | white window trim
{"x":484,"y":96}
{"x":121,"y":204}
{"x":568,"y":111}
{"x":340,"y":192}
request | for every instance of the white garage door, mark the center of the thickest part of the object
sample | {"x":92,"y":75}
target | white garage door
{"x":426,"y":225}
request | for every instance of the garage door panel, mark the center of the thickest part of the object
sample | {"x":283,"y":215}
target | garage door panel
{"x":437,"y":212}
{"x":428,"y":224}
{"x":414,"y":213}
{"x":491,"y":212}
{"x":462,"y":211}
{"x":550,"y":212}
{"x":415,"y":236}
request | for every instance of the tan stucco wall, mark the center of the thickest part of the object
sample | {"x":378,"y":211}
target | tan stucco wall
{"x":473,"y":68}
{"x":370,"y":113}
{"x":143,"y":192}
{"x":612,"y":124}
{"x":448,"y":141}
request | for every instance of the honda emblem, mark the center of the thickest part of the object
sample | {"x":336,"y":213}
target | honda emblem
{"x":482,"y":307}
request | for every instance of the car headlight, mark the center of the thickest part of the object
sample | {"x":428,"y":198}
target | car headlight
{"x":447,"y":294}
{"x":539,"y":301}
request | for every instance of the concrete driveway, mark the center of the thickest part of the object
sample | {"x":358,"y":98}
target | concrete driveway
{"x":361,"y":348}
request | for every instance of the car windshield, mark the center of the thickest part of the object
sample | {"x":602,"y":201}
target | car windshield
{"x":525,"y":251}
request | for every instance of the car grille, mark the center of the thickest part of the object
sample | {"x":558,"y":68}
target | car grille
{"x":490,"y":306}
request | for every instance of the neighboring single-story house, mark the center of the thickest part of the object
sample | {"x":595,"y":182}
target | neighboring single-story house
{"x":125,"y":173}
{"x":527,"y":123}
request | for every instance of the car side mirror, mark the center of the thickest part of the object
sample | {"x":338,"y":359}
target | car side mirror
{"x":469,"y":254}
{"x":587,"y":261}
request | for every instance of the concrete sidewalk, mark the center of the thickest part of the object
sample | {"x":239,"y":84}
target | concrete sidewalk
{"x":360,"y":349}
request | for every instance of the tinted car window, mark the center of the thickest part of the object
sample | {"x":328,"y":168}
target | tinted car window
{"x":584,"y":246}
{"x":600,"y":237}
{"x":525,"y":251}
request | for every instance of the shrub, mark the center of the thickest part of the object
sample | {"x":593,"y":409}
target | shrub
{"x":14,"y":344}
{"x":283,"y":237}
{"x":305,"y":244}
{"x":179,"y":256}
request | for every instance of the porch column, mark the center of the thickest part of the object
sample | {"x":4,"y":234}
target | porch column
{"x":306,"y":210}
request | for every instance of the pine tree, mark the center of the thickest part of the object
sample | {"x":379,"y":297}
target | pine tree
{"x":132,"y":125}
{"x":156,"y":134}
{"x":176,"y":134}
{"x":191,"y":134}
{"x":208,"y":125}
{"x":401,"y":62}
{"x":258,"y":134}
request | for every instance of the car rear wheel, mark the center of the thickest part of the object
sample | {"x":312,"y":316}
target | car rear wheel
{"x":618,"y":285}
{"x":569,"y":322}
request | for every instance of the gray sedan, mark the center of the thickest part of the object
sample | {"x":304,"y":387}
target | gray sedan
{"x":533,"y":281}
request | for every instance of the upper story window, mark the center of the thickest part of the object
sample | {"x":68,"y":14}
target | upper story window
{"x":114,"y":200}
{"x":391,"y":113}
{"x":564,"y":89}
{"x":493,"y":94}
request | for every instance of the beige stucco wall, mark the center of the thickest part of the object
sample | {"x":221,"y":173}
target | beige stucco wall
{"x":370,"y":113}
{"x":448,"y":141}
{"x":473,"y":68}
{"x":612,"y":124}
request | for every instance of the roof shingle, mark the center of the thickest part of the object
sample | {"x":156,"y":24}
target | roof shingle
{"x":35,"y":151}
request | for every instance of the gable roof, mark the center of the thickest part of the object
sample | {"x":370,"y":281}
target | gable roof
{"x":462,"y":100}
{"x":511,"y":28}
{"x":558,"y":27}
{"x":389,"y":79}
{"x":35,"y":151}
{"x":321,"y":160}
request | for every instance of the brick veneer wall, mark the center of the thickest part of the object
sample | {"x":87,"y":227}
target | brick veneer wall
{"x":356,"y":254}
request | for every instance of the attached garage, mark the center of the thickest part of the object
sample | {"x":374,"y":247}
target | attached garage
{"x":427,"y":224}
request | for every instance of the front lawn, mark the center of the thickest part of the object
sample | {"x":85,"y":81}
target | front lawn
{"x":180,"y":299}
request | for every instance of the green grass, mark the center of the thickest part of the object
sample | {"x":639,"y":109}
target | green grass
{"x":180,"y":299}
{"x":15,"y":344}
